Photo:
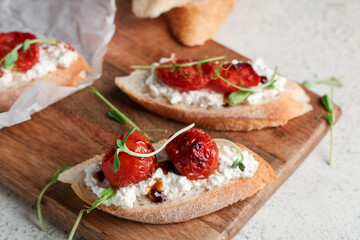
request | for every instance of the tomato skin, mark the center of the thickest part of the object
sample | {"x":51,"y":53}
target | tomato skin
{"x":186,"y":78}
{"x":27,"y":59}
{"x":132,"y":169}
{"x":194,"y":154}
{"x":241,"y":74}
{"x":68,"y":46}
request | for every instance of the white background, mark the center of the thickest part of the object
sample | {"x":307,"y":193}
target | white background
{"x":307,"y":40}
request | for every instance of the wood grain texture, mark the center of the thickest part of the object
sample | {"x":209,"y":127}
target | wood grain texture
{"x":77,"y":128}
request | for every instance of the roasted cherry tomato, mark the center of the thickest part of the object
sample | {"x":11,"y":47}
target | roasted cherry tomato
{"x":132,"y":169}
{"x":194,"y":154}
{"x":186,"y":78}
{"x":241,"y":74}
{"x":27,"y":59}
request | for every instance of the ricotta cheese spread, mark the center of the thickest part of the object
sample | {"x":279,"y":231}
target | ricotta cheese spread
{"x":204,"y":98}
{"x":51,"y":57}
{"x":174,"y":185}
{"x":208,"y":98}
{"x":266,"y":94}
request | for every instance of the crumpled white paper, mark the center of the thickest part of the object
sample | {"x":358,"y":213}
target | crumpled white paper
{"x":87,"y":25}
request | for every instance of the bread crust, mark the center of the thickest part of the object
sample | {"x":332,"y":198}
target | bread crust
{"x":206,"y":203}
{"x":153,"y":8}
{"x":70,"y":76}
{"x":197,"y":22}
{"x":244,"y":117}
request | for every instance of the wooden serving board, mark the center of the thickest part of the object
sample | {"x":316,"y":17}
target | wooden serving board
{"x":77,"y":128}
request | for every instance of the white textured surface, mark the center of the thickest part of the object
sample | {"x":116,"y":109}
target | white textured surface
{"x":307,"y":40}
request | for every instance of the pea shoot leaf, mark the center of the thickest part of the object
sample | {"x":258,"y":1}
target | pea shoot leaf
{"x":241,"y":166}
{"x":26,"y":44}
{"x":115,"y":115}
{"x":106,"y":195}
{"x":121,"y":147}
{"x":235,"y":163}
{"x":328,"y":103}
{"x":272,"y":85}
{"x":117,"y":160}
{"x":10,"y":59}
{"x":238,"y":97}
{"x":330,"y":118}
{"x":54,"y":178}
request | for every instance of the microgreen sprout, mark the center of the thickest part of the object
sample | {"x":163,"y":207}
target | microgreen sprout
{"x":106,"y":195}
{"x":237,"y":163}
{"x":13,"y":55}
{"x":122,"y":118}
{"x":121,"y":146}
{"x":178,"y":65}
{"x":329,"y":106}
{"x":53,"y":180}
{"x":332,"y":82}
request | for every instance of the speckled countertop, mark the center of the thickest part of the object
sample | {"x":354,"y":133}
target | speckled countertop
{"x":307,"y":40}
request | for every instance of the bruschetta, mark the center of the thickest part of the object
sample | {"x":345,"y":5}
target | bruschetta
{"x":195,"y":175}
{"x":24,"y":60}
{"x":222,"y":95}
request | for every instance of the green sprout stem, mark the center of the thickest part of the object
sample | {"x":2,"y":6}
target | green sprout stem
{"x":177,"y":65}
{"x":94,"y":90}
{"x":152,"y":130}
{"x":38,"y":204}
{"x":332,"y":82}
{"x":105,"y":195}
{"x":330,"y":118}
{"x":332,"y":129}
{"x":237,"y":162}
{"x":331,"y":144}
{"x":126,"y":150}
{"x":76,"y":224}
{"x":54,"y":179}
{"x":238,"y":149}
{"x":250,"y":90}
{"x":123,"y":116}
{"x":233,"y":85}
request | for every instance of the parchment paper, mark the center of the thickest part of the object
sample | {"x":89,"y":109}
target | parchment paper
{"x":87,"y":24}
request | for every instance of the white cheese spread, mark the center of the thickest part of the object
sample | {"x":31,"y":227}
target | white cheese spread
{"x":175,"y":186}
{"x":208,"y":98}
{"x":51,"y":57}
{"x":266,"y":94}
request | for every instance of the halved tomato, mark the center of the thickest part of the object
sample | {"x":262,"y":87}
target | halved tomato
{"x":27,"y":59}
{"x":241,"y":74}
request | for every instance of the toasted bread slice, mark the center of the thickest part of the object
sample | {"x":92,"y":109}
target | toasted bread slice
{"x":70,"y":76}
{"x":277,"y":112}
{"x":153,"y":8}
{"x":197,"y":22}
{"x":179,"y":210}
